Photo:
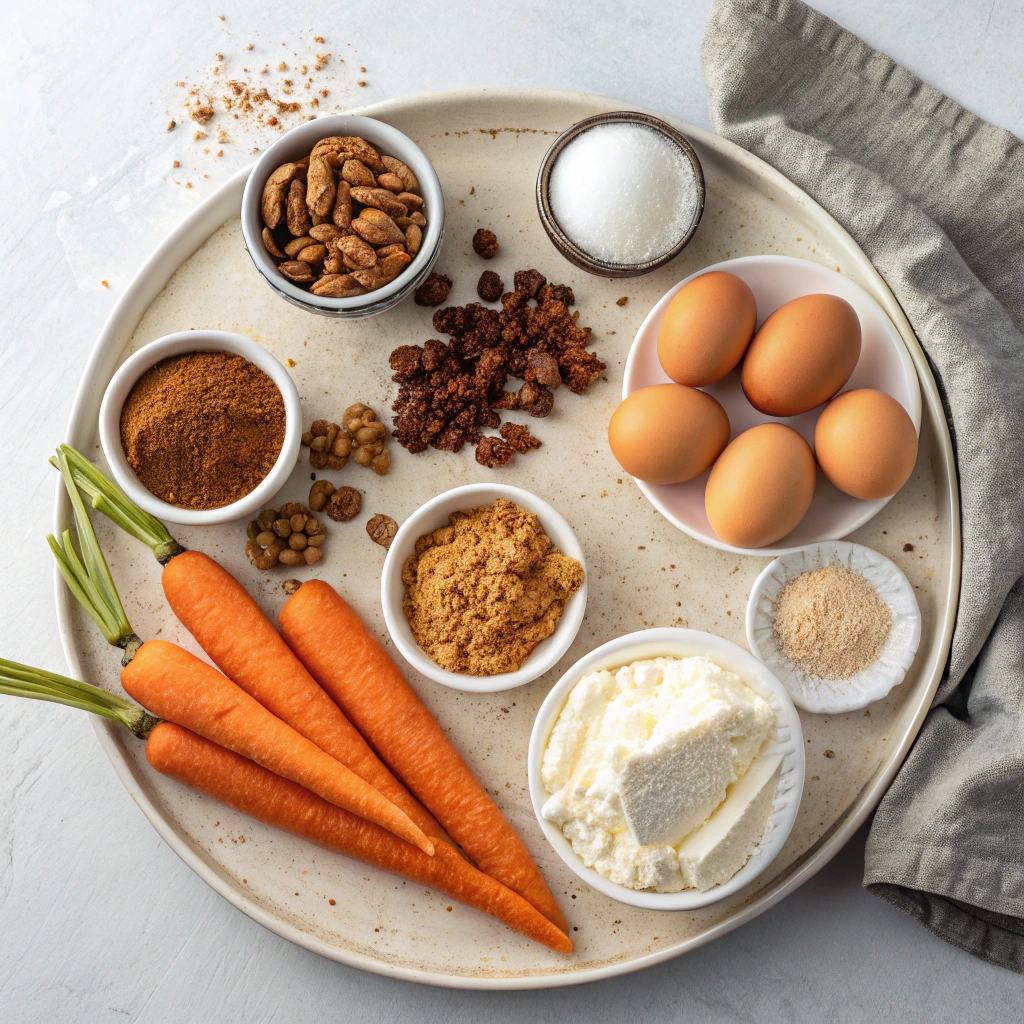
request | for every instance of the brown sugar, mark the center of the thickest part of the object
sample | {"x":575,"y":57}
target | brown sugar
{"x":482,"y":592}
{"x":831,"y":622}
{"x":201,"y":430}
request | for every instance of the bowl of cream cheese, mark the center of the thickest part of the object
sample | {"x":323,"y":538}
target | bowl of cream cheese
{"x":666,"y":768}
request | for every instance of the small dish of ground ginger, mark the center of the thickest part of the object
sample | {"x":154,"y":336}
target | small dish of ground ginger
{"x":838,"y":623}
{"x":484,"y":588}
{"x":201,"y":427}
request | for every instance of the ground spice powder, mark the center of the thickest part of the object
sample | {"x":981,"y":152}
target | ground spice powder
{"x":831,"y":622}
{"x":485,"y":590}
{"x":201,"y":430}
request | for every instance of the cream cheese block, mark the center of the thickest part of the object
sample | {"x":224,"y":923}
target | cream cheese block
{"x":716,"y":851}
{"x":641,"y":757}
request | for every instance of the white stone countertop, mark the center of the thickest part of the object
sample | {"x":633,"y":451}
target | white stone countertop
{"x":99,"y":920}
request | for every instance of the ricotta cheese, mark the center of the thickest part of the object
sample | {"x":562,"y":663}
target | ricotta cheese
{"x":641,"y":757}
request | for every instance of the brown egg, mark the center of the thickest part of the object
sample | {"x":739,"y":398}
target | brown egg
{"x":706,"y":328}
{"x":761,"y":486}
{"x":802,"y":355}
{"x":866,"y":443}
{"x":668,"y":433}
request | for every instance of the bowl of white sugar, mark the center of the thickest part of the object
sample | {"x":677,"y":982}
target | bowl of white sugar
{"x":620,"y":194}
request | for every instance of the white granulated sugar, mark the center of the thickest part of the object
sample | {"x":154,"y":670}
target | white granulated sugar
{"x":623,"y":193}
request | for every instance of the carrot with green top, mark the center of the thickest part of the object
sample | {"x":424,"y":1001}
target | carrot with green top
{"x":232,"y":629}
{"x":354,"y":669}
{"x":240,"y":783}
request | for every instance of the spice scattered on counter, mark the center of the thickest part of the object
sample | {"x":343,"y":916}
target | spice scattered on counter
{"x":433,"y":291}
{"x":448,"y":394}
{"x":290,"y":535}
{"x":490,"y":286}
{"x":201,"y":430}
{"x":623,"y":193}
{"x":382,"y":529}
{"x":482,"y":592}
{"x":485,"y":243}
{"x":831,"y":622}
{"x":360,"y":436}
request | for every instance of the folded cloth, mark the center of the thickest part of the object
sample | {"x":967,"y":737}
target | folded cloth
{"x":935,"y":197}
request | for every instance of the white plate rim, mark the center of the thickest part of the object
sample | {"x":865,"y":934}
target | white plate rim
{"x":870,"y":508}
{"x":225,"y":203}
{"x":676,"y":642}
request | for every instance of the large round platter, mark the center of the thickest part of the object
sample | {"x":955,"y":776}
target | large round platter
{"x":486,"y":146}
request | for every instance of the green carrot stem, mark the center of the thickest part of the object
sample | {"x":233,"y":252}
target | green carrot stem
{"x":88,"y":576}
{"x":24,"y":681}
{"x":107,"y":498}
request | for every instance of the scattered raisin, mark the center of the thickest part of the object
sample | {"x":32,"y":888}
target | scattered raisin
{"x":490,"y":286}
{"x":433,"y":291}
{"x":542,"y":367}
{"x":535,"y":399}
{"x":493,"y":452}
{"x":345,"y":504}
{"x":485,"y":243}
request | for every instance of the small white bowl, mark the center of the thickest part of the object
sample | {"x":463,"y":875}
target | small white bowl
{"x":433,"y":515}
{"x":884,"y":364}
{"x":827,"y":696}
{"x":297,"y":143}
{"x":179,"y":344}
{"x":786,"y":740}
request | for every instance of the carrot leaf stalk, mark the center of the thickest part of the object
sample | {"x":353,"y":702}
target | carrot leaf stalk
{"x":24,"y":681}
{"x":107,"y":498}
{"x":88,"y":575}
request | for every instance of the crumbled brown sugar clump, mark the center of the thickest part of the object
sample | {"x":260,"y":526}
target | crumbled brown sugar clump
{"x":831,"y":622}
{"x":201,"y":430}
{"x":482,"y":592}
{"x":450,"y":393}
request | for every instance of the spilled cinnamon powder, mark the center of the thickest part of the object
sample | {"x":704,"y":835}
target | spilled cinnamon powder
{"x":482,"y":592}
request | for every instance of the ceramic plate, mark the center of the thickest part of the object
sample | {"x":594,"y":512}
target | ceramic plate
{"x":884,"y":364}
{"x":486,"y":146}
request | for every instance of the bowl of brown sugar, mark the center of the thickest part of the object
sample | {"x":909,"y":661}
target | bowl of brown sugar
{"x":201,"y":427}
{"x":484,"y":588}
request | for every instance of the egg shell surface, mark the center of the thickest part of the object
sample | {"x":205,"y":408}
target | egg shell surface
{"x":866,"y":444}
{"x":668,"y":433}
{"x":707,"y":328}
{"x":803,"y":354}
{"x":761,"y":486}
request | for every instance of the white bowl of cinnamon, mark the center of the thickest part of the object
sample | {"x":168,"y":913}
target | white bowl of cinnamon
{"x":484,"y":588}
{"x":201,"y":427}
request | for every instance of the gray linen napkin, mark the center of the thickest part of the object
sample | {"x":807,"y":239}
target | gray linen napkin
{"x":935,"y":197}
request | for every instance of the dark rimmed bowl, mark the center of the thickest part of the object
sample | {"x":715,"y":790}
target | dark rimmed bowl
{"x":573,"y":253}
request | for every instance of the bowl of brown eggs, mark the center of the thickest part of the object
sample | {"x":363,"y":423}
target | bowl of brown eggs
{"x":768,"y":403}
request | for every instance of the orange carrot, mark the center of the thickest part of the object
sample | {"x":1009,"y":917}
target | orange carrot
{"x":243,"y":643}
{"x":168,"y":681}
{"x":352,"y":666}
{"x":253,"y":790}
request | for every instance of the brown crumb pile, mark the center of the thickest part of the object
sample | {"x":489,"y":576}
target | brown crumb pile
{"x":831,"y":622}
{"x":202,"y":430}
{"x":482,"y":592}
{"x":449,"y":393}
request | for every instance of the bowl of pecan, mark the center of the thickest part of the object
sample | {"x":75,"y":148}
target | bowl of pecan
{"x":343,"y":216}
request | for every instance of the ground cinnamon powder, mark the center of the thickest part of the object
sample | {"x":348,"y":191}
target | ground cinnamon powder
{"x":831,"y":622}
{"x":201,"y":430}
{"x":485,"y":590}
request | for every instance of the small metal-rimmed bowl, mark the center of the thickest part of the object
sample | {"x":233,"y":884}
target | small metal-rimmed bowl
{"x":298,"y":143}
{"x":572,"y":252}
{"x":179,"y":344}
{"x":431,"y":516}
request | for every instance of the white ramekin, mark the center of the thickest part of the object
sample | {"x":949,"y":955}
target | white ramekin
{"x":179,"y":344}
{"x":787,"y":740}
{"x":431,"y":516}
{"x":298,"y":143}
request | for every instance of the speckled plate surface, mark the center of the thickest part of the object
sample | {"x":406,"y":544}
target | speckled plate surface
{"x":486,"y":146}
